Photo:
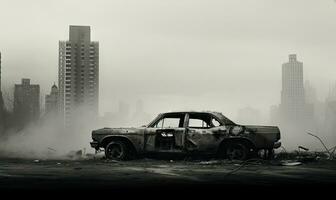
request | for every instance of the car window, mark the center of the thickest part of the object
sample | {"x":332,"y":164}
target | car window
{"x":215,"y":122}
{"x":197,"y":123}
{"x":168,"y":123}
{"x":159,"y":124}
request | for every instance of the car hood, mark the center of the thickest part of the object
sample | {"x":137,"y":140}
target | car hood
{"x":116,"y":131}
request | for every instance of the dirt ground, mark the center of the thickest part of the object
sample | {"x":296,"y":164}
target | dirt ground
{"x":154,"y":173}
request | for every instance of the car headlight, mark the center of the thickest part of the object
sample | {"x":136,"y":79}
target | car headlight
{"x":236,"y":130}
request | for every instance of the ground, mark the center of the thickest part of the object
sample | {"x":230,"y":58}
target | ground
{"x":156,"y":173}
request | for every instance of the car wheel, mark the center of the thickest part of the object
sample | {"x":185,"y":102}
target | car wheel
{"x":237,"y":151}
{"x":116,"y":150}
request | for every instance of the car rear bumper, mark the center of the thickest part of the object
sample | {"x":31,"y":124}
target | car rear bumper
{"x":277,"y":144}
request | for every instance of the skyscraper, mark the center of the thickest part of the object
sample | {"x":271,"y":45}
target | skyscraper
{"x":78,"y":74}
{"x":51,"y":101}
{"x":26,"y":102}
{"x":1,"y":103}
{"x":0,"y":73}
{"x":292,"y":95}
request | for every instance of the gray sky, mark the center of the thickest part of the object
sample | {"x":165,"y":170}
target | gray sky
{"x":176,"y":54}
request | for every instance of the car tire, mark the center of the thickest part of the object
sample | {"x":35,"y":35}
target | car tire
{"x":237,"y":151}
{"x":117,"y":150}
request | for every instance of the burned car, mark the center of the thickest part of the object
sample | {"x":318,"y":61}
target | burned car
{"x":201,"y":133}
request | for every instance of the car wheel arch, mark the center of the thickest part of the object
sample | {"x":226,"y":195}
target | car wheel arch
{"x":225,"y":142}
{"x":127,"y":141}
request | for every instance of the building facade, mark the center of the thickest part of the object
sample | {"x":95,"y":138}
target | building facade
{"x":52,"y":101}
{"x":26,"y":102}
{"x":2,"y":119}
{"x":78,"y":74}
{"x":292,"y":95}
{"x":0,"y":73}
{"x":330,"y":116}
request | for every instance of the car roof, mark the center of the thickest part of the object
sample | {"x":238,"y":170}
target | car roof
{"x":218,"y":115}
{"x":197,"y":112}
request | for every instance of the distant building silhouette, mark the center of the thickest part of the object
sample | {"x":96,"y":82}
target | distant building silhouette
{"x":292,"y":95}
{"x":78,"y":74}
{"x":249,"y":115}
{"x":295,"y":114}
{"x":2,"y":117}
{"x":26,"y":102}
{"x":330,"y":115}
{"x":123,"y":110}
{"x":52,"y":101}
{"x":140,"y":116}
{"x":0,"y":72}
{"x":310,"y":93}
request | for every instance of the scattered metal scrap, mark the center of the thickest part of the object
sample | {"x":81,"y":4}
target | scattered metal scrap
{"x":328,"y":151}
{"x":51,"y":149}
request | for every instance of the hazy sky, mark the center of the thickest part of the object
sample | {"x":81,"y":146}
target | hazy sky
{"x":176,"y":54}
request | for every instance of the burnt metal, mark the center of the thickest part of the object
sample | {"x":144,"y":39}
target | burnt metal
{"x":214,"y":135}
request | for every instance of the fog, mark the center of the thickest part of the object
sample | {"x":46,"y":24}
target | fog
{"x":177,"y":54}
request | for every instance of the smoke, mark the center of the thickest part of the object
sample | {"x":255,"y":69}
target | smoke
{"x":47,"y":139}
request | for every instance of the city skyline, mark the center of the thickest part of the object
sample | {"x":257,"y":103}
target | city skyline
{"x":171,"y":40}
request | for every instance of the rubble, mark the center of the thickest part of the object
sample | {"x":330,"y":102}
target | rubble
{"x":211,"y":162}
{"x":290,"y":163}
{"x":75,"y":154}
{"x":328,"y":151}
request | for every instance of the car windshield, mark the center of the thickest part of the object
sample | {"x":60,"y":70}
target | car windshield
{"x":224,"y":119}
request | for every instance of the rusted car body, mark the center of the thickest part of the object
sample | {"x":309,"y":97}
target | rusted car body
{"x":188,"y":133}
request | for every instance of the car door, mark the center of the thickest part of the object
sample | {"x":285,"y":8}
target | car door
{"x":166,"y":134}
{"x":204,"y":133}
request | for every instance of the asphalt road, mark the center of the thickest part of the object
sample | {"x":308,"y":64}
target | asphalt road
{"x":158,"y":174}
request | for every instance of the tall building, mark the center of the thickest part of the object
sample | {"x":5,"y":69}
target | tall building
{"x":310,"y":93}
{"x":2,"y":119}
{"x":0,"y":73}
{"x":78,"y":74}
{"x":51,"y":101}
{"x":292,"y":95}
{"x":26,"y":102}
{"x":330,"y":116}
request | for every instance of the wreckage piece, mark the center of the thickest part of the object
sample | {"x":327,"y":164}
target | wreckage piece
{"x":327,"y":150}
{"x":200,"y":133}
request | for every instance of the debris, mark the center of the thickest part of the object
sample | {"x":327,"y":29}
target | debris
{"x":58,"y":163}
{"x":212,"y":162}
{"x":327,"y":150}
{"x":77,"y":168}
{"x":36,"y":161}
{"x":304,"y":148}
{"x":111,"y":161}
{"x":75,"y":154}
{"x":245,"y":163}
{"x":51,"y":149}
{"x":286,"y":163}
{"x":90,"y":155}
{"x":171,"y":161}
